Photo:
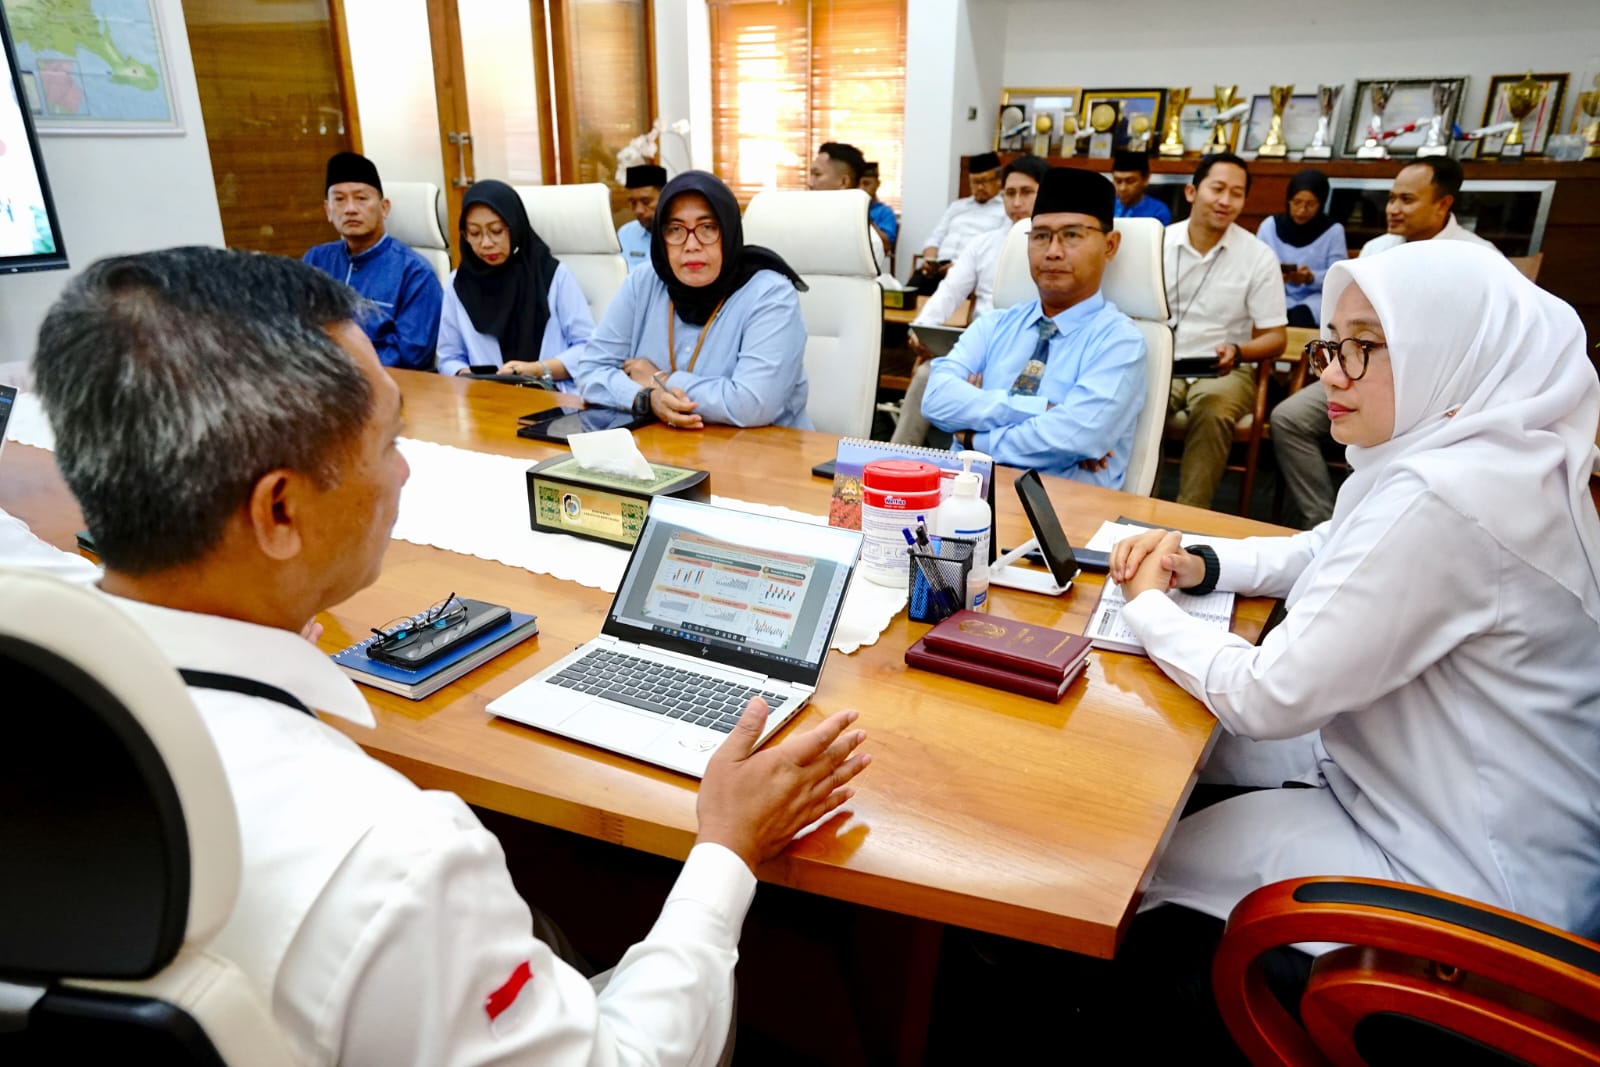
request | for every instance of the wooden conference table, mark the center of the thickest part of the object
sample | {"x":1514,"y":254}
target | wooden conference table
{"x":981,"y":809}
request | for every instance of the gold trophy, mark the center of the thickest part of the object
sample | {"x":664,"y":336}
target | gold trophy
{"x":1437,"y":142}
{"x":1327,"y":102}
{"x":1041,"y":135}
{"x":1227,"y":96}
{"x":1274,"y":147}
{"x":1589,"y":104}
{"x":1521,"y":98}
{"x":1139,"y":133}
{"x":1172,"y":144}
{"x":1102,"y":117}
{"x":1372,"y":147}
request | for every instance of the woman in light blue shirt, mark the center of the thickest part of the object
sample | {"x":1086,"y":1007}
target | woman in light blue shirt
{"x":1307,"y":242}
{"x":712,"y":333}
{"x":510,"y":306}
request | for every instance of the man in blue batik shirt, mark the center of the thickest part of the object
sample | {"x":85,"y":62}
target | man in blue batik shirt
{"x":644,"y":189}
{"x":1055,"y":383}
{"x":881,"y":215}
{"x":405,"y":294}
{"x":1130,"y":175}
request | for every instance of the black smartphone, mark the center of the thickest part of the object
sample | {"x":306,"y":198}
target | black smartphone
{"x":825,"y":469}
{"x":1058,"y":555}
{"x":430,"y":644}
{"x":86,"y":542}
{"x":1288,"y":268}
{"x":557,"y":424}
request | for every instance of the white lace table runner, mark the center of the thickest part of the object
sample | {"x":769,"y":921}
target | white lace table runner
{"x":476,"y":503}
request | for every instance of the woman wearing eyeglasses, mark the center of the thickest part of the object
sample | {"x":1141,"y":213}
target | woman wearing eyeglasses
{"x":511,"y":308}
{"x":713,"y":333}
{"x":1435,"y":684}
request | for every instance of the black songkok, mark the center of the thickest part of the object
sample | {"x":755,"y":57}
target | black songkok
{"x":982,"y":163}
{"x":349,"y":167}
{"x":1079,"y":192}
{"x":648,"y":176}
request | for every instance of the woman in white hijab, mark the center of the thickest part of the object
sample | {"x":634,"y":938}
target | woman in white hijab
{"x":1439,"y":663}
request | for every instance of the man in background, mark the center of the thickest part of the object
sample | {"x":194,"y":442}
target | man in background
{"x":972,"y":274}
{"x":840,"y":166}
{"x":405,"y":295}
{"x":1419,"y":209}
{"x":1130,"y":174}
{"x":1225,"y":292}
{"x":644,"y":190}
{"x":962,"y":222}
{"x":881,"y":215}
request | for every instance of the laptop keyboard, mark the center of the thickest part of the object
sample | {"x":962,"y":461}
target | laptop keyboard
{"x":651,"y":686}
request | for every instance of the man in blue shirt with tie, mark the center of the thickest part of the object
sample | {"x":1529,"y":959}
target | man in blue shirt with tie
{"x":1130,"y":175}
{"x":1055,"y":383}
{"x":644,"y":189}
{"x":405,"y":295}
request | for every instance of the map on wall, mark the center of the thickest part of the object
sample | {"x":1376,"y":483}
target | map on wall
{"x":93,"y":65}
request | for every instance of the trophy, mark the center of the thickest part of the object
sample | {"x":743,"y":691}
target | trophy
{"x":1372,"y":147}
{"x":1521,"y":98}
{"x":1102,"y":118}
{"x":1589,"y":104}
{"x":1172,"y":144}
{"x":1041,"y":134}
{"x":1139,"y":133}
{"x":1444,"y":104}
{"x":1275,"y":146}
{"x":1227,"y":96}
{"x":1327,"y":101}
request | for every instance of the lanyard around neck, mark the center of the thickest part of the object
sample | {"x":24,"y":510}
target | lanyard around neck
{"x":672,"y":350}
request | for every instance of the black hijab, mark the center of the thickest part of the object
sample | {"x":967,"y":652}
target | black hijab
{"x":1297,"y":235}
{"x":510,"y":301}
{"x":740,"y":262}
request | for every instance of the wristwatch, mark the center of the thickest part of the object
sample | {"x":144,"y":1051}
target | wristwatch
{"x":641,"y":400}
{"x":546,"y":379}
{"x":1213,"y":569}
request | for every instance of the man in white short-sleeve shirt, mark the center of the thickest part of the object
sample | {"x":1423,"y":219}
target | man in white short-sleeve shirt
{"x":1225,"y":294}
{"x":378,"y":920}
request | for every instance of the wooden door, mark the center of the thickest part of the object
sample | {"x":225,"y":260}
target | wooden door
{"x":455,"y":122}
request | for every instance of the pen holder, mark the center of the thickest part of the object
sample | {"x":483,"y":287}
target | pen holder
{"x":947,"y":560}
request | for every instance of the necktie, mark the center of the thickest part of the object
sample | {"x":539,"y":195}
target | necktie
{"x":1027,"y":383}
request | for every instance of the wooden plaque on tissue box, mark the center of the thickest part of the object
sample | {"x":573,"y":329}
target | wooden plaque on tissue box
{"x":564,"y":497}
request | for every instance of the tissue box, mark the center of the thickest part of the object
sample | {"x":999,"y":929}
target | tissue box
{"x":899,"y":299}
{"x":564,"y":497}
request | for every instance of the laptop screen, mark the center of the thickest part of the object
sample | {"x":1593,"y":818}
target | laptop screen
{"x":8,"y":397}
{"x":751,"y":591}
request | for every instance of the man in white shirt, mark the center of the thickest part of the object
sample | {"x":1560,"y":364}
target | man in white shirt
{"x":1225,"y":292}
{"x":973,"y":275}
{"x":1419,"y":209}
{"x":962,"y":222}
{"x":232,"y":439}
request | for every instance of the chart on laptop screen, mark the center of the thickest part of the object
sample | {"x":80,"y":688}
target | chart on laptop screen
{"x":728,"y":591}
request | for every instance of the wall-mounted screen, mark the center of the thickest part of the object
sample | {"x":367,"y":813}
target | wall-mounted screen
{"x":30,"y":233}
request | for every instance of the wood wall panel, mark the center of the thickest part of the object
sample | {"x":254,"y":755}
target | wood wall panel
{"x":274,"y":111}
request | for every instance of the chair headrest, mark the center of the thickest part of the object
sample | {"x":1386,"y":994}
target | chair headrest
{"x":1134,"y":280}
{"x":125,"y":844}
{"x":416,"y":215}
{"x":573,"y":220}
{"x":815,"y":232}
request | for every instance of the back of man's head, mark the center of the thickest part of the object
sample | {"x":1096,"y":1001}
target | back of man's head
{"x":1208,"y":162}
{"x":847,"y":156}
{"x":174,"y":380}
{"x":1447,"y":175}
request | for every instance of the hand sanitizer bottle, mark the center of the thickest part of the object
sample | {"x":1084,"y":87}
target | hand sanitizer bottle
{"x":966,"y":514}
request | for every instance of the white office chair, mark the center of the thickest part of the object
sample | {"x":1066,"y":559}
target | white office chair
{"x":416,"y":218}
{"x":575,"y":221}
{"x":1135,"y":283}
{"x":121,"y":849}
{"x":824,"y":237}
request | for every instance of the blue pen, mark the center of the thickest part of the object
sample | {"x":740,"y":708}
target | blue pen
{"x":930,"y":571}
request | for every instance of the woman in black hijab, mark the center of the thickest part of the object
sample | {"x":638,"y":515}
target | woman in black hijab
{"x":713,"y":333}
{"x":511,"y":308}
{"x":1307,"y":242}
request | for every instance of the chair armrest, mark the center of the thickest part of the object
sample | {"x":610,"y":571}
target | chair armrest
{"x":1451,"y":931}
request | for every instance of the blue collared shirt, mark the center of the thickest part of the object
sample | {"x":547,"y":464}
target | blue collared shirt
{"x":405,"y":293}
{"x":1318,"y":256}
{"x":751,"y":370}
{"x":1088,"y":402}
{"x":1148,"y":207}
{"x":461,"y":344}
{"x":881,"y":215}
{"x":635,"y":241}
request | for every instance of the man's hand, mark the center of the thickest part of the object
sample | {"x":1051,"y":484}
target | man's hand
{"x":918,"y":349}
{"x":1095,"y":466}
{"x":753,"y":803}
{"x":673,"y":407}
{"x":1301,"y":275}
{"x":975,"y":379}
{"x":1225,"y":356}
{"x":312,"y":631}
{"x":640,"y":371}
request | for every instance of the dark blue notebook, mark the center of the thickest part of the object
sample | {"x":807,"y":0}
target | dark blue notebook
{"x":431,"y":677}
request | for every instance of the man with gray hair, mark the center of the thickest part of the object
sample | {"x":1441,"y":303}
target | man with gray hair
{"x":232,"y":438}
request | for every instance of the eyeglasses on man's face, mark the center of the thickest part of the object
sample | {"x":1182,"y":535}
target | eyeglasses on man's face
{"x":1071,"y":236}
{"x":399,"y":633}
{"x":1351,"y":352}
{"x":707,"y":233}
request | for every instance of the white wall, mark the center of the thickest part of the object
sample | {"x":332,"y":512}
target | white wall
{"x":392,"y":61}
{"x":116,"y":195}
{"x":683,"y":81}
{"x":1070,"y":43}
{"x":496,"y":45}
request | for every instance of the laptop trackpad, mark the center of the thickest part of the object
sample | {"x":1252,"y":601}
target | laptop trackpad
{"x":611,"y":727}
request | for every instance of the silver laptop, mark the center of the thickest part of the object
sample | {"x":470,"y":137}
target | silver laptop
{"x":8,"y":399}
{"x":715,"y":607}
{"x":939,"y":339}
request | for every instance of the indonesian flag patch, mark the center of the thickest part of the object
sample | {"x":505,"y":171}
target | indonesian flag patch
{"x":495,"y":1004}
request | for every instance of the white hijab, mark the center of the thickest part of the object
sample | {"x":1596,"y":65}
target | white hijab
{"x":1467,"y":332}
